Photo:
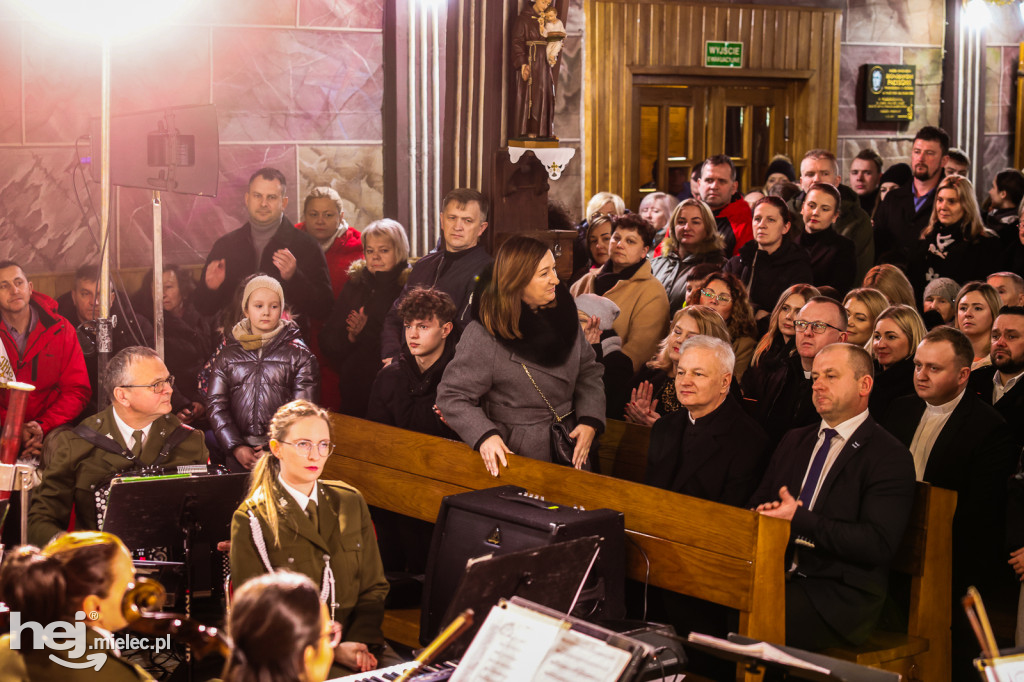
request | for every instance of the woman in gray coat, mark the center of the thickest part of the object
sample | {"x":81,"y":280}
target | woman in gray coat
{"x":525,"y":350}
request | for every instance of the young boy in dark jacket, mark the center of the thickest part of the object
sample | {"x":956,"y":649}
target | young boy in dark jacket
{"x":404,"y":392}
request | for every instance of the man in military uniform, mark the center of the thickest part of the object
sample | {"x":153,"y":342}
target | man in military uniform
{"x":137,"y":430}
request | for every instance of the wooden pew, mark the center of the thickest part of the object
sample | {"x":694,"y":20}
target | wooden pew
{"x":921,"y":653}
{"x":726,"y":555}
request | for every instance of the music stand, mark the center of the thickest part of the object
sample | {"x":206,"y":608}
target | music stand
{"x":174,"y":511}
{"x":839,"y":671}
{"x":550,"y":575}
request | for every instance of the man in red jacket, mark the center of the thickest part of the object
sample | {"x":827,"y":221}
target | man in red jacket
{"x":43,"y":350}
{"x":718,"y":189}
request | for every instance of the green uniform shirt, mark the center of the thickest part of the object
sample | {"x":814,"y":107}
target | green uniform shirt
{"x":76,"y":466}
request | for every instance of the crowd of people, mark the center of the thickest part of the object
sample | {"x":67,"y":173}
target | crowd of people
{"x":809,"y":350}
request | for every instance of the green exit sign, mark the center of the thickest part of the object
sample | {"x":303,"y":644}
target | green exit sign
{"x":729,"y":55}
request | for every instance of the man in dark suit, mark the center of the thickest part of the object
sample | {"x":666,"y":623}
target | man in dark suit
{"x":905,"y":211}
{"x":711,"y":449}
{"x":999,"y":384}
{"x":852,"y":489}
{"x":959,"y":442}
{"x":267,"y":243}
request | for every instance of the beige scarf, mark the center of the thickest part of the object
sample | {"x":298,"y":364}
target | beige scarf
{"x":244,"y":335}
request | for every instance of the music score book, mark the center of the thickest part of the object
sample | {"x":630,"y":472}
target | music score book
{"x":517,"y":644}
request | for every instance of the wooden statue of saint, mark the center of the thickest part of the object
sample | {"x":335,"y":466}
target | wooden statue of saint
{"x":536,"y":41}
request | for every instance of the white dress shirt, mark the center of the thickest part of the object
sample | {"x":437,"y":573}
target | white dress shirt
{"x":844,"y":432}
{"x":999,"y":389}
{"x":127,"y":431}
{"x":300,"y":497}
{"x":928,"y":430}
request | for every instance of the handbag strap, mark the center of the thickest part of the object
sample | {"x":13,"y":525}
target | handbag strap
{"x":544,"y":397}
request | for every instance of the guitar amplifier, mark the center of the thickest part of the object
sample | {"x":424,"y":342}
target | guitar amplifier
{"x":509,"y":519}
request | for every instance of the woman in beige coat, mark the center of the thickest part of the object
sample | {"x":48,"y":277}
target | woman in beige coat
{"x":626,"y":279}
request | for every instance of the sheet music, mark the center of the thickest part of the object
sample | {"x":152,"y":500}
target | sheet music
{"x":516,"y":644}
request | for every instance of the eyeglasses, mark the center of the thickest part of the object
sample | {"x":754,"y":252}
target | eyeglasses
{"x":157,"y":386}
{"x":721,"y":298}
{"x":333,"y":634}
{"x":816,"y":327}
{"x":323,"y":449}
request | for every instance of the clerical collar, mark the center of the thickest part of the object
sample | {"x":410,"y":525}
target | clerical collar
{"x":945,"y":408}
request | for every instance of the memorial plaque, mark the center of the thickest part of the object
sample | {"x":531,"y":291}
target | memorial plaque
{"x":889,"y":92}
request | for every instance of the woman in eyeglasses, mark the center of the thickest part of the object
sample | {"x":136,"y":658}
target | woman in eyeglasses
{"x":321,"y":529}
{"x":771,"y":261}
{"x":726,"y":295}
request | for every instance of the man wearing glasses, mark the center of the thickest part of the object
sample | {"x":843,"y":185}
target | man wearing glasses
{"x":136,"y":430}
{"x":782,"y":392}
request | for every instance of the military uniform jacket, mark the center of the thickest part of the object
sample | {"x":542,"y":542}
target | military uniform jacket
{"x":32,"y":665}
{"x":77,"y":466}
{"x":346,"y":539}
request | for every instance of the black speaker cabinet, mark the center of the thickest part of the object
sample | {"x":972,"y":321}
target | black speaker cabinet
{"x":508,"y":519}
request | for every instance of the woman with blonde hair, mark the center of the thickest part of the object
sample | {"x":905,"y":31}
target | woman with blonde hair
{"x":653,"y":392}
{"x":955,"y":243}
{"x":863,"y":306}
{"x":321,"y":529}
{"x":656,"y":208}
{"x":524,"y":364}
{"x":977,"y":306}
{"x":778,"y":342}
{"x":898,"y":330}
{"x":80,"y":575}
{"x":691,"y":240}
{"x":726,"y":294}
{"x":893,"y":284}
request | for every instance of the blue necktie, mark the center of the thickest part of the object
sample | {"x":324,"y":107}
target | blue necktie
{"x":813,"y":476}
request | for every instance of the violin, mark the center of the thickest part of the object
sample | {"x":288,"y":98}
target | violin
{"x":140,"y":607}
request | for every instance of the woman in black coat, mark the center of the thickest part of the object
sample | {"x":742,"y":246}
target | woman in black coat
{"x":898,"y":331}
{"x":350,"y":339}
{"x":770,"y":262}
{"x":189,"y":338}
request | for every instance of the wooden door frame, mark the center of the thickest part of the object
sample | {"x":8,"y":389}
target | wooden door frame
{"x":697,"y":101}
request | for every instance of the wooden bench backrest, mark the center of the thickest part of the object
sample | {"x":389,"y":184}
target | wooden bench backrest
{"x":716,"y":552}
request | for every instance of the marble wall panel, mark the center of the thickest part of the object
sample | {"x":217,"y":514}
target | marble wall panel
{"x":171,"y":68}
{"x":1006,"y":26}
{"x":355,"y":171}
{"x":996,"y":157}
{"x":10,"y":82}
{"x":192,"y":224}
{"x":342,"y":13}
{"x":41,"y":225}
{"x":891,"y":149}
{"x":568,"y":189}
{"x":928,"y":92}
{"x":249,"y":13}
{"x":298,"y":85}
{"x":898,"y":22}
{"x":851,"y":85}
{"x":995,"y":114}
{"x":569,"y":89}
{"x":62,"y":85}
{"x":577,"y":18}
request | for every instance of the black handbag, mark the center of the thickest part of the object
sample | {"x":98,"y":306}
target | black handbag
{"x":562,"y":445}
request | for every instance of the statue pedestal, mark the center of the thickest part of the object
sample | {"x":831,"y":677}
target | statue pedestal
{"x":519,"y":202}
{"x":553,"y":158}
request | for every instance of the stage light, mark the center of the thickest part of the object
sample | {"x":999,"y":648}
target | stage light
{"x":106,"y":19}
{"x":976,"y":14}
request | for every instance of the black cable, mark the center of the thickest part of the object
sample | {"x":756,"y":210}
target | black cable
{"x":647,"y":575}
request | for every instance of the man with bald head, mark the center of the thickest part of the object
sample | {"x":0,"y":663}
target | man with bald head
{"x":847,"y":487}
{"x":778,"y":395}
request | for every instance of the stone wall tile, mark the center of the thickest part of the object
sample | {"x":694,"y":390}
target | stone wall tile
{"x":62,"y":76}
{"x":899,"y":22}
{"x":356,"y":172}
{"x":342,"y":13}
{"x":10,"y":82}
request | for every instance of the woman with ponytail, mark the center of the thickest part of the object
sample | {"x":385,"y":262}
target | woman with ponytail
{"x":321,"y":529}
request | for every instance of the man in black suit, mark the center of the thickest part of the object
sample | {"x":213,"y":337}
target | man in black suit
{"x":778,"y":395}
{"x":711,"y":449}
{"x":267,"y":243}
{"x":852,"y":489}
{"x":999,"y":384}
{"x":959,"y":442}
{"x":905,"y":211}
